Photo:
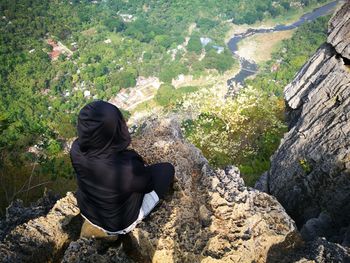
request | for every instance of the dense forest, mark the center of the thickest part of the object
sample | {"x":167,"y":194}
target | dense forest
{"x":104,"y":46}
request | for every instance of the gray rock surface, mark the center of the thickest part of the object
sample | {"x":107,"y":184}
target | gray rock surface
{"x":94,"y":251}
{"x":317,"y":251}
{"x":17,"y":213}
{"x":320,"y":226}
{"x":42,"y":239}
{"x":310,"y":172}
{"x":211,"y":216}
{"x":339,"y":31}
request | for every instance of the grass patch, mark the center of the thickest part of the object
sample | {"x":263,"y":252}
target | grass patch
{"x":260,"y":47}
{"x":145,"y":106}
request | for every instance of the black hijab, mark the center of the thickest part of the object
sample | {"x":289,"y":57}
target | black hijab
{"x":101,"y":127}
{"x":111,"y":179}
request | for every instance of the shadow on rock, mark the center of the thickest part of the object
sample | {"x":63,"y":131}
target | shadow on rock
{"x":42,"y":239}
{"x":293,"y":249}
{"x":17,"y":213}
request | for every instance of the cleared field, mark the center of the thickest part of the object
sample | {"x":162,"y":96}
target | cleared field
{"x":260,"y":47}
{"x":210,"y":79}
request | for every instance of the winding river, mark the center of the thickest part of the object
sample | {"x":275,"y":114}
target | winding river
{"x":249,"y":67}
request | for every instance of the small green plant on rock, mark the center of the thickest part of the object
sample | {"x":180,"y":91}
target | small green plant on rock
{"x":305,"y":165}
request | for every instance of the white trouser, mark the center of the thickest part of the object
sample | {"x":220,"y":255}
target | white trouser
{"x":150,"y":200}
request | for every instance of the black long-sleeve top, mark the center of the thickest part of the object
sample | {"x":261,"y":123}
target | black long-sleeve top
{"x":112,"y":180}
{"x":110,"y":195}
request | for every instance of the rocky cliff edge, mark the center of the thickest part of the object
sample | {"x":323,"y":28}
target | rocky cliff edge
{"x":310,"y":172}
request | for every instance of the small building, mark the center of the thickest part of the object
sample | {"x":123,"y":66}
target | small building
{"x":219,"y":49}
{"x":275,"y":67}
{"x":87,"y":93}
{"x":127,"y":18}
{"x":180,"y":77}
{"x":205,"y":41}
{"x":74,"y":46}
{"x":54,"y":55}
{"x":58,"y":49}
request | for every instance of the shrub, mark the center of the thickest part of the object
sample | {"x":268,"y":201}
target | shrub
{"x":168,"y":96}
{"x":194,"y":45}
{"x":243,"y":131}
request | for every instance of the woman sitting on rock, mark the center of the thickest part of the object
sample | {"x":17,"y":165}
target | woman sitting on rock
{"x":116,"y":190}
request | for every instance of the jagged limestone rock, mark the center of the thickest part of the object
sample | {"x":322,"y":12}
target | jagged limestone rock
{"x":17,"y":213}
{"x":94,"y":251}
{"x":42,"y":239}
{"x":211,"y":215}
{"x":339,"y":29}
{"x":319,"y":251}
{"x":310,"y":171}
